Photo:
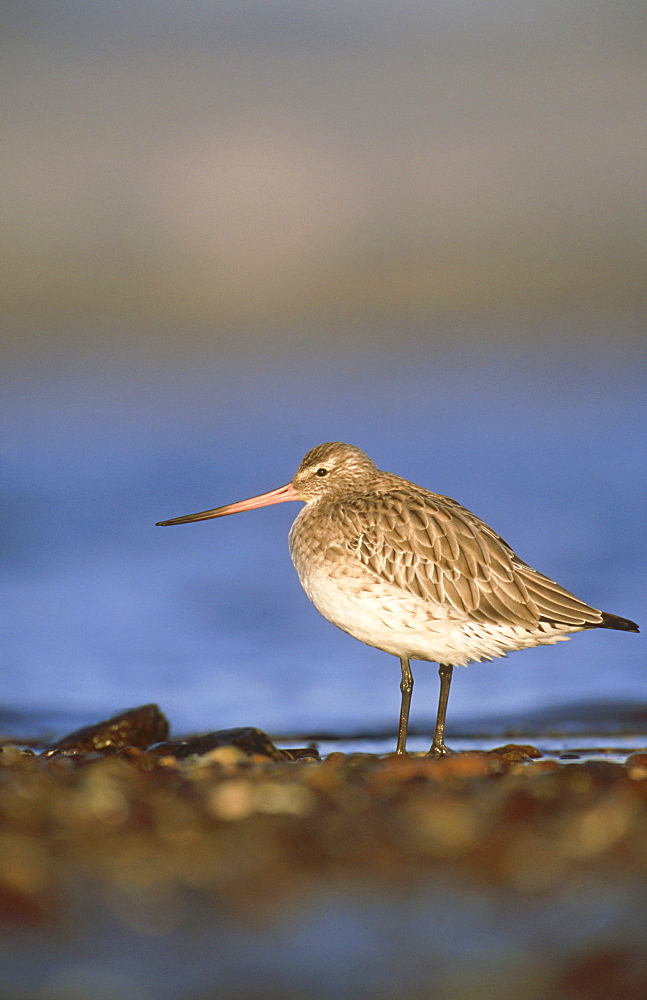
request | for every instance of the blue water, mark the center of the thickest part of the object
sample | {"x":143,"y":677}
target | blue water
{"x":104,"y":610}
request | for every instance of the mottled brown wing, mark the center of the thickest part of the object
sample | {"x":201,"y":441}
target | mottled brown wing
{"x":432,"y":547}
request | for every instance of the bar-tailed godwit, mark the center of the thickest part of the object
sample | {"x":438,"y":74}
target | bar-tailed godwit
{"x":414,"y":573}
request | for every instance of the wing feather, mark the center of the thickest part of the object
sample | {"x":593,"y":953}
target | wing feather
{"x":436,"y":550}
{"x":555,"y":604}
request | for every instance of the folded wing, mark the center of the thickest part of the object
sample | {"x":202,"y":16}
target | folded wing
{"x":435,"y":549}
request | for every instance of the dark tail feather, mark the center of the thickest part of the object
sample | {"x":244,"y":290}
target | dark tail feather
{"x":613,"y":621}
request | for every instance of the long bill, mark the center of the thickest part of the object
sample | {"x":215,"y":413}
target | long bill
{"x":280,"y":495}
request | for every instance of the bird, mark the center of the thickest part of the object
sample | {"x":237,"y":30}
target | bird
{"x":414,"y":573}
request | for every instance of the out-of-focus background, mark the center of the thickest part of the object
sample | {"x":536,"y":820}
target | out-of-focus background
{"x":234,"y":230}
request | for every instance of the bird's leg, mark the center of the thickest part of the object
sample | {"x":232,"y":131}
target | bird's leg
{"x":438,"y":747}
{"x":406,"y":687}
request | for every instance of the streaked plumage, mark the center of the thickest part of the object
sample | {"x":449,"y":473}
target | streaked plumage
{"x":414,"y":573}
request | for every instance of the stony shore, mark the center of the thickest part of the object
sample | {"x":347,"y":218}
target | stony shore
{"x":120,"y":815}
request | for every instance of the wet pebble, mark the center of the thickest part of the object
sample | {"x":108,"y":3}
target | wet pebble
{"x":137,"y":727}
{"x":248,"y":739}
{"x":637,"y":766}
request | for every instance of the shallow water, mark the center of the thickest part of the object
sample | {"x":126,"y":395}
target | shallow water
{"x":595,"y":747}
{"x":105,"y":610}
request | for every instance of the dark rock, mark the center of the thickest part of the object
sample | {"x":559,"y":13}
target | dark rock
{"x":248,"y":739}
{"x":137,"y":727}
{"x":299,"y":753}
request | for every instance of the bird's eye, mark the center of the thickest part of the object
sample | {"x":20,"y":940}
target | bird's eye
{"x":321,"y":472}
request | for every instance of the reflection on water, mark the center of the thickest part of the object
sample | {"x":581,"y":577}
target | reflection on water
{"x":105,"y":610}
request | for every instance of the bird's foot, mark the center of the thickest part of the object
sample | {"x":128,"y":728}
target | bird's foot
{"x":439,"y":750}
